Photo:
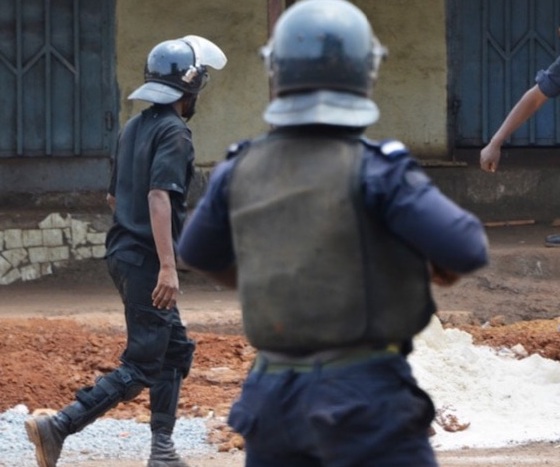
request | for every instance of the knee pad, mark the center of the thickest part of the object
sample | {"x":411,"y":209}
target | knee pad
{"x":94,"y":401}
{"x":131,"y":387}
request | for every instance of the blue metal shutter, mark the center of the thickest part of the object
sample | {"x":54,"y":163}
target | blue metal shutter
{"x":496,"y":49}
{"x":58,"y":88}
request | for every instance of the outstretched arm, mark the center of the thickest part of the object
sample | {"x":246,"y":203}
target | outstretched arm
{"x":525,"y":108}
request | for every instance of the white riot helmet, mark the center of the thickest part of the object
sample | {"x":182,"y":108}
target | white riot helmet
{"x":178,"y":66}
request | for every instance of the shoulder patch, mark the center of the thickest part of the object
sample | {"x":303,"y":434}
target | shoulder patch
{"x":390,"y":148}
{"x":393,"y":148}
{"x":237,"y":148}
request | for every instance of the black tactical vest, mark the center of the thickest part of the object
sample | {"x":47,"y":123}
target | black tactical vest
{"x":314,"y":270}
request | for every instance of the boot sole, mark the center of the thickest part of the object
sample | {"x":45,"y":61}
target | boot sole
{"x":35,"y":437}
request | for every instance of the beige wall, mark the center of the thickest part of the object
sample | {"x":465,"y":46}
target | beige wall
{"x":411,"y":92}
{"x":412,"y":88}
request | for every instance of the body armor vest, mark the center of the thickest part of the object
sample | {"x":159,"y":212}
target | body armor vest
{"x":315,"y":270}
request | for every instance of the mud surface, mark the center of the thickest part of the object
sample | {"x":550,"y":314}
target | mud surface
{"x":60,"y":332}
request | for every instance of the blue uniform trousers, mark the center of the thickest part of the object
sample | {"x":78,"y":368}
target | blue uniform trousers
{"x":365,"y":414}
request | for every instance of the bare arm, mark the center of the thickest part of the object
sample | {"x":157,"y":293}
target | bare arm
{"x":165,"y":293}
{"x":525,"y":108}
{"x":443,"y":277}
{"x":226,"y":277}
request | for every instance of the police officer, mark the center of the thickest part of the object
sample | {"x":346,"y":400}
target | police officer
{"x":331,"y":240}
{"x":150,"y":180}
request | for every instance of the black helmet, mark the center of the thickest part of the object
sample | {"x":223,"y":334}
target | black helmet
{"x":323,"y":60}
{"x":178,"y":66}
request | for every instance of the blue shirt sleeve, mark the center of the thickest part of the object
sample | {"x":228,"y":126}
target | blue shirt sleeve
{"x":549,"y":80}
{"x":416,"y":211}
{"x":396,"y":189}
{"x":206,"y":242}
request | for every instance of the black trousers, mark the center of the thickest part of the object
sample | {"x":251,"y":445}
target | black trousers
{"x":159,"y":352}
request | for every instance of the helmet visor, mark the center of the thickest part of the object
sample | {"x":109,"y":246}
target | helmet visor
{"x":380,"y":53}
{"x":206,"y":52}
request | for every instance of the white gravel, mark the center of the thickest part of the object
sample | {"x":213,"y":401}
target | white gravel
{"x":104,"y":439}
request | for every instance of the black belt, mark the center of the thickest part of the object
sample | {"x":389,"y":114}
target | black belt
{"x":274,"y":362}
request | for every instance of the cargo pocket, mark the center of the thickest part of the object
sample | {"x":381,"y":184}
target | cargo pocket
{"x":148,"y":336}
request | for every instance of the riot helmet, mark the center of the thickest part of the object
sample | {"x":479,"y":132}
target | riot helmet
{"x":177,"y":67}
{"x":323,"y":59}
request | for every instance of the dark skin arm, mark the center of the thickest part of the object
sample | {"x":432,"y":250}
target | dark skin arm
{"x":226,"y":277}
{"x":164,"y":295}
{"x":443,"y":277}
{"x":525,"y":108}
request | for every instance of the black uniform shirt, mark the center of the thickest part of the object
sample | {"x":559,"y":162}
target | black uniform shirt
{"x":154,"y":151}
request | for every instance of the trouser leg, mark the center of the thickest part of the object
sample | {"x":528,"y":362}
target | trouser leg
{"x":49,"y":433}
{"x":158,"y":349}
{"x":164,"y":400}
{"x":94,"y":401}
{"x":164,"y":392}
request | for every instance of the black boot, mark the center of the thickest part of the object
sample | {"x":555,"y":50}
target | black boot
{"x":48,"y":435}
{"x":163,"y":452}
{"x":164,"y":398}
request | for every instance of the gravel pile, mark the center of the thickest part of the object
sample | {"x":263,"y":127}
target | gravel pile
{"x":104,"y":439}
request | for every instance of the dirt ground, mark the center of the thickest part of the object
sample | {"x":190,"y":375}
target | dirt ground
{"x":59,"y":332}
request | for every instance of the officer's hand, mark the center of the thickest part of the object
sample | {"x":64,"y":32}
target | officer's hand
{"x":164,"y":295}
{"x":443,"y":277}
{"x":490,"y":157}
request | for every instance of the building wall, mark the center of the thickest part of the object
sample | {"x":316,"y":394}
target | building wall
{"x":412,"y":87}
{"x":229,"y":107}
{"x":411,"y":92}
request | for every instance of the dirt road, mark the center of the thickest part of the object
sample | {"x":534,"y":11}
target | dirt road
{"x":534,"y":455}
{"x":36,"y":318}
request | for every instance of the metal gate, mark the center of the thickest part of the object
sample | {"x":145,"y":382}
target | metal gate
{"x":58,"y":88}
{"x":496,"y":49}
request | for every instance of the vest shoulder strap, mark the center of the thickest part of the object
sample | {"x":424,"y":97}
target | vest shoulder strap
{"x":238,"y":148}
